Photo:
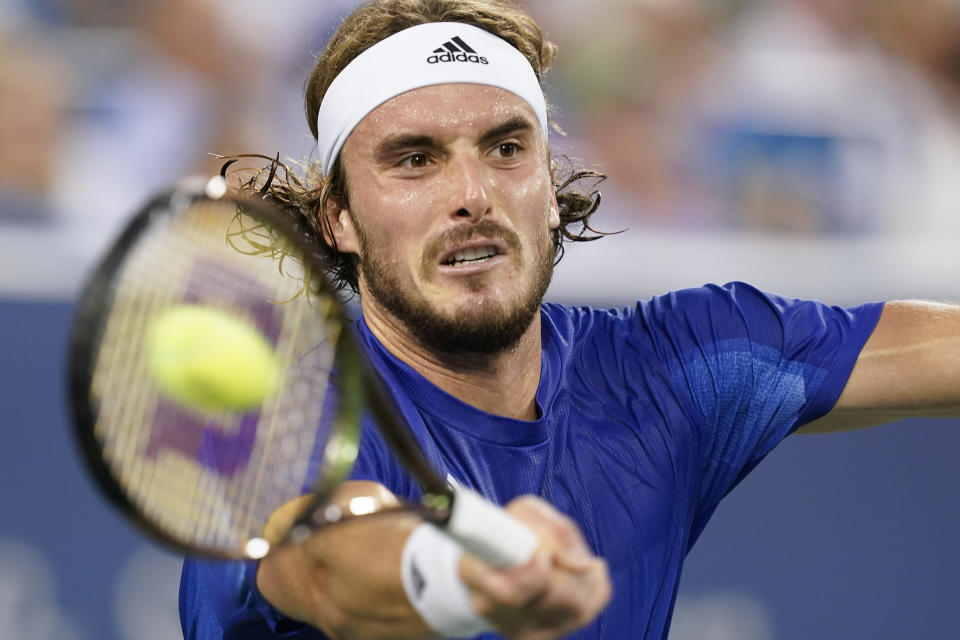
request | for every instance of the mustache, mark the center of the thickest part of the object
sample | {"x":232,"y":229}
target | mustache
{"x":465,"y":233}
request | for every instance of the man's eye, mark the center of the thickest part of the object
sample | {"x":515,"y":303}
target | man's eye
{"x":415,"y":160}
{"x":508,"y":149}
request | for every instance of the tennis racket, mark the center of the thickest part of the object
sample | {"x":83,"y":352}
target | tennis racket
{"x":207,"y":481}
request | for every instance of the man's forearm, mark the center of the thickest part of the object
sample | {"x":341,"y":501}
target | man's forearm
{"x":909,"y":367}
{"x":346,"y":579}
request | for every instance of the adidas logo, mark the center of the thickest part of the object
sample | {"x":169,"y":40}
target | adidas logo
{"x":455,"y":50}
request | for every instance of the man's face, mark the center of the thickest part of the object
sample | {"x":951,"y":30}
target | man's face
{"x":451,"y":208}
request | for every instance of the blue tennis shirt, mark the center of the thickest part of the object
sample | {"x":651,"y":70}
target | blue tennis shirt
{"x":649,"y":416}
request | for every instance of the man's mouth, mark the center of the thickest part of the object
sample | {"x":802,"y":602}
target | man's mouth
{"x":470,"y":255}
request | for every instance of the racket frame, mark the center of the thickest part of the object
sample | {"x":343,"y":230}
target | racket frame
{"x":362,"y":387}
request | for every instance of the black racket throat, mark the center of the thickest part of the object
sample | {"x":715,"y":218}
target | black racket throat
{"x":399,"y":438}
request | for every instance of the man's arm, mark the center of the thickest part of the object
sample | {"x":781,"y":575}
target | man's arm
{"x":910,"y":366}
{"x":346,"y":579}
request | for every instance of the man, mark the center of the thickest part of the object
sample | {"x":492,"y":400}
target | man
{"x":439,"y":204}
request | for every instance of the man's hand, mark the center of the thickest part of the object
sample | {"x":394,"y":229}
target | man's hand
{"x":346,"y":580}
{"x":563,"y":588}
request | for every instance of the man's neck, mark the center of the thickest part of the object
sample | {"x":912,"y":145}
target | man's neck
{"x":503,"y":384}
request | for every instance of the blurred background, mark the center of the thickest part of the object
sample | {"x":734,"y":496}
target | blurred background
{"x":810,"y":147}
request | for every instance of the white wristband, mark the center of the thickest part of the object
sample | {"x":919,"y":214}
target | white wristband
{"x":429,"y":568}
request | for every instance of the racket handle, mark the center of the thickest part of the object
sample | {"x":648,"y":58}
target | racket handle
{"x":489,"y":532}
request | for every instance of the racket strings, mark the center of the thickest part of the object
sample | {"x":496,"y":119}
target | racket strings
{"x":174,"y":461}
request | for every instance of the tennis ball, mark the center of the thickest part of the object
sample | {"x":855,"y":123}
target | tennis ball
{"x":209,"y":359}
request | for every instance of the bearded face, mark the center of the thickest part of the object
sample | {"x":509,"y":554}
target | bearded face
{"x":451,"y":210}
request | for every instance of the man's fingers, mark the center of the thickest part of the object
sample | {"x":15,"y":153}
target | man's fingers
{"x":512,"y":588}
{"x":577,"y":559}
{"x":557,"y":531}
{"x":572,"y":599}
{"x":283,"y":518}
{"x":566,"y":602}
{"x":561,"y":589}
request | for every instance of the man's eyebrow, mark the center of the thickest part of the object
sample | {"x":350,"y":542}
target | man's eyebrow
{"x":402,"y":142}
{"x":516,"y":124}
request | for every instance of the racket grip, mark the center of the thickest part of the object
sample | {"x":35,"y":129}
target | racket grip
{"x":489,"y":532}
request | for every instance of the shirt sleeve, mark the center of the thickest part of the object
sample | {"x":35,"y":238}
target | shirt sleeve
{"x":219,"y":600}
{"x":754,"y":366}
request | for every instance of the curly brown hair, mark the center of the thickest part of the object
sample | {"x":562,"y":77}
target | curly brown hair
{"x":305,"y":196}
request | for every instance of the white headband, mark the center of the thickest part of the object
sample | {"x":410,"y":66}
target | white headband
{"x":421,"y":56}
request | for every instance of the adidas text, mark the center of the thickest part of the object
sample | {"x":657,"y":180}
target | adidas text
{"x":457,"y":57}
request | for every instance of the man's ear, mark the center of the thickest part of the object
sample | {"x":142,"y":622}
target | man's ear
{"x":553,"y":213}
{"x":338,"y":227}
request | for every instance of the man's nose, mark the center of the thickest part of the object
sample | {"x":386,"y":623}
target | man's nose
{"x":471,"y":188}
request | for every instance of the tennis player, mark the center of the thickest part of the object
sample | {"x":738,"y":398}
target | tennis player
{"x":613,"y":434}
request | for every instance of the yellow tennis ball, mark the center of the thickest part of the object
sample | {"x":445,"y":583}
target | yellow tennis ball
{"x":210,"y":359}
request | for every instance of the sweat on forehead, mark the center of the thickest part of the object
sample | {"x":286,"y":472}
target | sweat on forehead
{"x":421,"y":56}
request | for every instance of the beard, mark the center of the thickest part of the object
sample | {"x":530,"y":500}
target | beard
{"x":484,"y":330}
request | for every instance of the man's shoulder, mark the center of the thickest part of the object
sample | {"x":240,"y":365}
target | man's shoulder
{"x":577,"y":318}
{"x":691,"y":310}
